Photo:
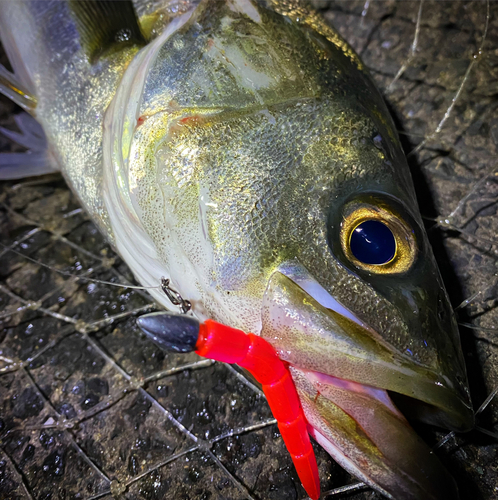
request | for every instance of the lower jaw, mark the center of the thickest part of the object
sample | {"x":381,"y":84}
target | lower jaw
{"x":365,"y":433}
{"x":344,"y":461}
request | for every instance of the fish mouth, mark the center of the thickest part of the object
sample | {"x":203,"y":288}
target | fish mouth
{"x":346,"y":376}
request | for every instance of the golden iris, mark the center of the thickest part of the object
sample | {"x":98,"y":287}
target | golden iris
{"x":376,"y":238}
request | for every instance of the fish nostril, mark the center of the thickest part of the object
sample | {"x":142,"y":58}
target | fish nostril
{"x":442,"y":309}
{"x":441,"y":315}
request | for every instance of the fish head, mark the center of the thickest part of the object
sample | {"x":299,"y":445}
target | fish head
{"x":360,"y":251}
{"x":254,"y":161}
{"x":361,"y":315}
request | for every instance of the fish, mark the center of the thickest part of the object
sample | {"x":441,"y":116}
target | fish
{"x":250,"y":180}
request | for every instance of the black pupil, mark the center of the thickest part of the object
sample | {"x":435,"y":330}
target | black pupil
{"x":372,"y":242}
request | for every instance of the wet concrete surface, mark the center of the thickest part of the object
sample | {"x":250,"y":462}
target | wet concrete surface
{"x":90,"y":409}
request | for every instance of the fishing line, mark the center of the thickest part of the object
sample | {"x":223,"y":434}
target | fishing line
{"x":475,"y":59}
{"x":79,"y":277}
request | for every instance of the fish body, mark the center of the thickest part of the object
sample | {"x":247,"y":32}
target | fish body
{"x":241,"y":150}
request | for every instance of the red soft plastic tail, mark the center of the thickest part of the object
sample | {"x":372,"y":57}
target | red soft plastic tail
{"x":222,"y":343}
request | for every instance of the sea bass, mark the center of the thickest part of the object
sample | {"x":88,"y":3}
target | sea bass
{"x":241,"y":150}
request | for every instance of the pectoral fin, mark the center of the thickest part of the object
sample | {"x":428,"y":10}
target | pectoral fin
{"x":34,"y":162}
{"x":15,"y":91}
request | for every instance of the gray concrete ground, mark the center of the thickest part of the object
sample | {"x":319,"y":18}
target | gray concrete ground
{"x":90,"y":409}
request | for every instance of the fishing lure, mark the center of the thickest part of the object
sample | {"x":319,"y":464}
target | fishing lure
{"x":180,"y":333}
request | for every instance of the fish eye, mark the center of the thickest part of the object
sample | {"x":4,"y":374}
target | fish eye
{"x":375,"y":237}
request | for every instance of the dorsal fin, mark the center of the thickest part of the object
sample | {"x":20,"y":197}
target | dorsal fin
{"x":105,"y":24}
